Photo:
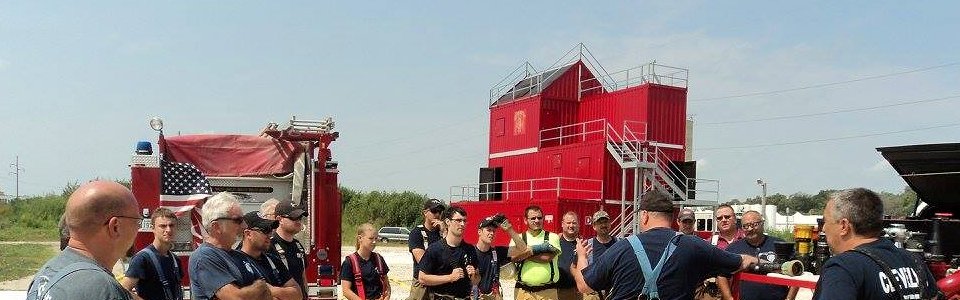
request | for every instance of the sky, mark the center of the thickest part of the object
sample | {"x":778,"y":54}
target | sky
{"x":407,"y":82}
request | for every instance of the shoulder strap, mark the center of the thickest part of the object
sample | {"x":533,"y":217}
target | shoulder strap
{"x":45,"y":287}
{"x":158,"y":267}
{"x":523,"y":236}
{"x":897,"y":282}
{"x":357,"y":275}
{"x":282,"y":253}
{"x":651,"y":275}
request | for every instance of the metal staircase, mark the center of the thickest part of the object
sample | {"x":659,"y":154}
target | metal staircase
{"x":652,"y":170}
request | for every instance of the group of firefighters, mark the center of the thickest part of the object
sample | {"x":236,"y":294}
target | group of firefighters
{"x":103,"y":218}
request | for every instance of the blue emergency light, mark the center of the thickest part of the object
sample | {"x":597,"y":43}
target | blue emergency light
{"x":144,"y":148}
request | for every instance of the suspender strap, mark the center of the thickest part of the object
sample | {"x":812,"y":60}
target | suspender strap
{"x":546,"y":239}
{"x":423,"y":233}
{"x":357,"y":275}
{"x":381,"y":270}
{"x":651,"y":275}
{"x":166,"y":283}
{"x":282,"y":253}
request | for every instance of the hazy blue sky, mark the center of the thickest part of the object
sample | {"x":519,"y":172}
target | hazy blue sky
{"x":407,"y":81}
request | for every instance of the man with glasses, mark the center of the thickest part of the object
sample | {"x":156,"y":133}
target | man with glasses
{"x":283,"y":243}
{"x":214,"y":272}
{"x":449,"y":268}
{"x":537,"y":271}
{"x":420,"y":238}
{"x":155,"y":271}
{"x":686,"y":221}
{"x":103,"y":218}
{"x":758,"y":244}
{"x":255,"y":260}
{"x":727,"y":233}
{"x":657,"y":263}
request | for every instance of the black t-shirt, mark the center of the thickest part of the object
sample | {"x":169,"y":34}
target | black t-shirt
{"x":148,"y":284}
{"x":766,"y":253}
{"x":295,"y":257}
{"x":489,"y":267}
{"x":852,"y":275}
{"x":568,"y":255}
{"x":415,"y":241}
{"x":267,"y":267}
{"x":369,"y":272}
{"x":441,"y":259}
{"x":693,"y":261}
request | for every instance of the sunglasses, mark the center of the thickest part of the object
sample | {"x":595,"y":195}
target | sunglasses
{"x":535,"y":218}
{"x":261,"y":230}
{"x":687,"y":221}
{"x":297,"y":219}
{"x":237,"y":220}
{"x":724,"y":217}
{"x":753,"y":225}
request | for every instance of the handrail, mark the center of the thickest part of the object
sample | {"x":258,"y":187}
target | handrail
{"x":583,"y":132}
{"x":578,"y":53}
{"x":557,"y":186}
{"x":536,"y":82}
{"x":639,"y":75}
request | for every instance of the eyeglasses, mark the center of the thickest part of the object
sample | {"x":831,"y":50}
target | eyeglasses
{"x":236,"y":220}
{"x":297,"y":219}
{"x":724,"y":217}
{"x":138,"y":218}
{"x":535,"y":218}
{"x":261,"y":230}
{"x":687,"y":221}
{"x":461,"y":221}
{"x":752,"y":225}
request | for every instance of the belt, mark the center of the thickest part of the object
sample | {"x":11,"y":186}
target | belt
{"x":534,"y":289}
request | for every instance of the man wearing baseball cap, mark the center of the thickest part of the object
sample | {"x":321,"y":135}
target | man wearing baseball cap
{"x":491,"y":258}
{"x":284,"y":245}
{"x":600,"y":244}
{"x":253,"y":258}
{"x":686,"y":220}
{"x":420,"y":239}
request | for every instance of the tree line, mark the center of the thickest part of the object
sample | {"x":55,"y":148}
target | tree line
{"x":894,"y":204}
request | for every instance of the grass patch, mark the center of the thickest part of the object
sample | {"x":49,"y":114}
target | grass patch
{"x":21,"y":260}
{"x":27,"y":234}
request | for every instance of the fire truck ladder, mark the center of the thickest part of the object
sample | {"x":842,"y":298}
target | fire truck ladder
{"x":652,"y":170}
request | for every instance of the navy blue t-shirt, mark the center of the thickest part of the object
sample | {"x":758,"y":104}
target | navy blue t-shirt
{"x":852,"y":275}
{"x":415,"y":241}
{"x":568,"y":256}
{"x":489,"y":267}
{"x":211,"y":268}
{"x":267,"y":267}
{"x":148,"y":283}
{"x":764,"y":252}
{"x":441,"y":259}
{"x":693,"y":261}
{"x":369,"y":272}
{"x":599,"y":248}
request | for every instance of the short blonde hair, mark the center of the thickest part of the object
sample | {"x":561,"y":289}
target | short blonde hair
{"x":361,"y":229}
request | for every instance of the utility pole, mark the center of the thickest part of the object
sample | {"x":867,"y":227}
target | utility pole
{"x":16,"y":173}
{"x":763,"y":201}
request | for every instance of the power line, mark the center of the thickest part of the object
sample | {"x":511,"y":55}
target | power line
{"x":833,"y":112}
{"x":821,"y":85}
{"x":828,"y":139}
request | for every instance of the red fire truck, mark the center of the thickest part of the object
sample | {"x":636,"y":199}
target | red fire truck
{"x":294,"y":163}
{"x":576,"y":138}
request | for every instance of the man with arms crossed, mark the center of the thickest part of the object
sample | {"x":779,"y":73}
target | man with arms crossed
{"x":214,"y":271}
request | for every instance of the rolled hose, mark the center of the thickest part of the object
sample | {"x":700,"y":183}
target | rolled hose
{"x":950,"y":285}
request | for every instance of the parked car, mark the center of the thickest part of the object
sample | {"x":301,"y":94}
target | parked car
{"x":388,"y":234}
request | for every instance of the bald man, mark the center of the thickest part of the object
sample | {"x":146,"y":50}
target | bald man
{"x":103,"y":218}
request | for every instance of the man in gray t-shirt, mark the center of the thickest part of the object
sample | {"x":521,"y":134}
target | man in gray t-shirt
{"x":88,"y":281}
{"x":103,"y":219}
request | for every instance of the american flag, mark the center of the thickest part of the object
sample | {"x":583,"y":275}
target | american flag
{"x":182,"y":187}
